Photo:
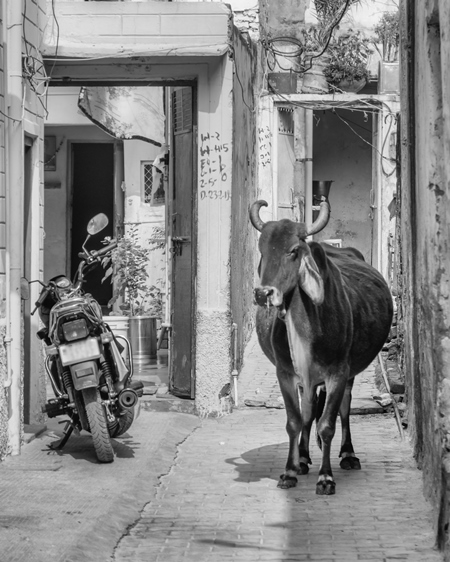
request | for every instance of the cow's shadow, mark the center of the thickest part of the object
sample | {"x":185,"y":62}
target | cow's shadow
{"x":261,"y":463}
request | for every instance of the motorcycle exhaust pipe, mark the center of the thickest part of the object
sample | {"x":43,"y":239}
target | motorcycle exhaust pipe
{"x":127,"y":398}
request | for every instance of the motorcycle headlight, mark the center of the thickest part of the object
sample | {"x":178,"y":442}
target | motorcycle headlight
{"x":75,"y":330}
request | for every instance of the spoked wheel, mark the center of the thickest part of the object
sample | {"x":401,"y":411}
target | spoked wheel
{"x":98,"y":425}
{"x":122,"y":424}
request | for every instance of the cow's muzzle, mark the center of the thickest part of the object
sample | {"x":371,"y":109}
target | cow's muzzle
{"x":268,"y":296}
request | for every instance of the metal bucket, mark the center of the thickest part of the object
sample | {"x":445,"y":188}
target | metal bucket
{"x":321,"y":189}
{"x":143,"y":338}
{"x":314,"y":81}
{"x":120,"y":327}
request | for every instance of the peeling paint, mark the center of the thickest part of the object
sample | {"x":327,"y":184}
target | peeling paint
{"x":213,"y":362}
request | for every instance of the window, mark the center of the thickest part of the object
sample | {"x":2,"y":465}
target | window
{"x":153,"y":184}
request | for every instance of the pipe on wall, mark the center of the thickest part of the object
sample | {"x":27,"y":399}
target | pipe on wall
{"x":308,"y":166}
{"x":14,"y":178}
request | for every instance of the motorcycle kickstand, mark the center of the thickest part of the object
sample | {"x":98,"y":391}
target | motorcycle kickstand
{"x":67,"y":433}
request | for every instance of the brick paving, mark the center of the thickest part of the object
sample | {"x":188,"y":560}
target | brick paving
{"x":205,"y":490}
{"x":220,"y":500}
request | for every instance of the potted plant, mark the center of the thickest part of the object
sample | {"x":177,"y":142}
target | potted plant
{"x":316,"y":41}
{"x":137,"y":299}
{"x":347,"y":68}
{"x":387,"y":35}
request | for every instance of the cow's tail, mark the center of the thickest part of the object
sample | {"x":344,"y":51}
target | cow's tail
{"x":320,"y":405}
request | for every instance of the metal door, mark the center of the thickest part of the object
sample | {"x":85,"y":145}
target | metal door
{"x":181,"y":229}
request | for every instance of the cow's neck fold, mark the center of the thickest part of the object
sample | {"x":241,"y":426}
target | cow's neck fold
{"x":298,"y":331}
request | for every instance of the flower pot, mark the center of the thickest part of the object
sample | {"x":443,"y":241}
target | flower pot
{"x":314,"y":81}
{"x":351,"y":86}
{"x":142,"y":331}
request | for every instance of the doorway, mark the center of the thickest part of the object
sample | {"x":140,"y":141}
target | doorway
{"x":117,"y":178}
{"x":92,"y":193}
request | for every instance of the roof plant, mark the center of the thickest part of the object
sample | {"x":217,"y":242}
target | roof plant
{"x":349,"y":54}
{"x":387,"y":34}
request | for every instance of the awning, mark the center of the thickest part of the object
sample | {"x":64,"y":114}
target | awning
{"x":126,"y":112}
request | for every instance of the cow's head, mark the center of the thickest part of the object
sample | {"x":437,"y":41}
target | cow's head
{"x":286,"y":258}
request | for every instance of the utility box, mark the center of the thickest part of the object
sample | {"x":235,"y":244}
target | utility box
{"x":388,"y":78}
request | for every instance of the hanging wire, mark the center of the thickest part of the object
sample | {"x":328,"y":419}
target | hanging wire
{"x":365,"y":106}
{"x":269,"y":46}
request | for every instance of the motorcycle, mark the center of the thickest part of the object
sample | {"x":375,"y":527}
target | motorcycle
{"x":90,"y":378}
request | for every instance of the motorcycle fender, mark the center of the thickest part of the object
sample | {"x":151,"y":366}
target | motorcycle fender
{"x":85,"y":375}
{"x":119,"y":363}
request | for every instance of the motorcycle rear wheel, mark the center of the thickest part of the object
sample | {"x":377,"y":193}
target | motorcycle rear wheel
{"x":98,"y":425}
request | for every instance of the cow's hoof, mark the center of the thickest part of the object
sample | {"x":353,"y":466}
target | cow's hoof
{"x":350,"y":463}
{"x":287,"y":481}
{"x":304,"y":468}
{"x":326,"y":486}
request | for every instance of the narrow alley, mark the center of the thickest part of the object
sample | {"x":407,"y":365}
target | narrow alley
{"x":184,"y":488}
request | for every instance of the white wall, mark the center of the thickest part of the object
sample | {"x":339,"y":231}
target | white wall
{"x":141,"y":213}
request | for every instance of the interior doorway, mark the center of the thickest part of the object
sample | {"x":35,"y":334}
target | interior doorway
{"x":124,"y":179}
{"x":92,"y":167}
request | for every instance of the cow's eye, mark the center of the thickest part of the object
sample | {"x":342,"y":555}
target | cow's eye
{"x":293,"y":253}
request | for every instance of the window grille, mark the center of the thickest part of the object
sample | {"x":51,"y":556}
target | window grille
{"x":147,"y":182}
{"x":182,"y":110}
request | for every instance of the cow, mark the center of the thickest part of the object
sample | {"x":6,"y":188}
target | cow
{"x":323,"y":316}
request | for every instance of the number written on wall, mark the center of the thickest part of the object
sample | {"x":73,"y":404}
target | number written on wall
{"x":213,"y":167}
{"x":265,"y":145}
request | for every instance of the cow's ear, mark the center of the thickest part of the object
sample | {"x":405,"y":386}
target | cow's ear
{"x":310,"y":279}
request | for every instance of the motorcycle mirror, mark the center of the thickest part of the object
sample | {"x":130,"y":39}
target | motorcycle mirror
{"x":24,"y":289}
{"x":97,"y":223}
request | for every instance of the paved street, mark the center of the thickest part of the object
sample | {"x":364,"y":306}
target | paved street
{"x":184,"y":488}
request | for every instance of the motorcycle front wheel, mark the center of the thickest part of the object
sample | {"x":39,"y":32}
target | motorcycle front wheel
{"x":98,"y":425}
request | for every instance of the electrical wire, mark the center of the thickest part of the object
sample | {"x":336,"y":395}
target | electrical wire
{"x":367,"y":107}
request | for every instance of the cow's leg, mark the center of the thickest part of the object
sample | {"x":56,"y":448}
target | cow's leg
{"x":326,"y":428}
{"x":289,"y":390}
{"x":308,"y":410}
{"x":349,"y":459}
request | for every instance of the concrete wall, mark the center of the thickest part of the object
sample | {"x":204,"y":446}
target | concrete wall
{"x":425,"y":252}
{"x":29,"y":125}
{"x":243,"y":237}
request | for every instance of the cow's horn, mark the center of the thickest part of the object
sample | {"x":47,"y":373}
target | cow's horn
{"x":322,"y":220}
{"x":254,"y":214}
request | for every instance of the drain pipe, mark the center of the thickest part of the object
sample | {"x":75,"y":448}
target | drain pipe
{"x":309,"y":167}
{"x":234,"y":372}
{"x":12,"y":18}
{"x":394,"y":402}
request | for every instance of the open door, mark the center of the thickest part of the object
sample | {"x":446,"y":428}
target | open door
{"x":181,"y":213}
{"x":92,"y":192}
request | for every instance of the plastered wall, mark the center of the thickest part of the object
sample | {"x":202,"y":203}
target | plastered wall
{"x":425,"y":256}
{"x":243,"y":235}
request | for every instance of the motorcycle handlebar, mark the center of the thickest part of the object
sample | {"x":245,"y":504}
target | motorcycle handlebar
{"x":98,"y":253}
